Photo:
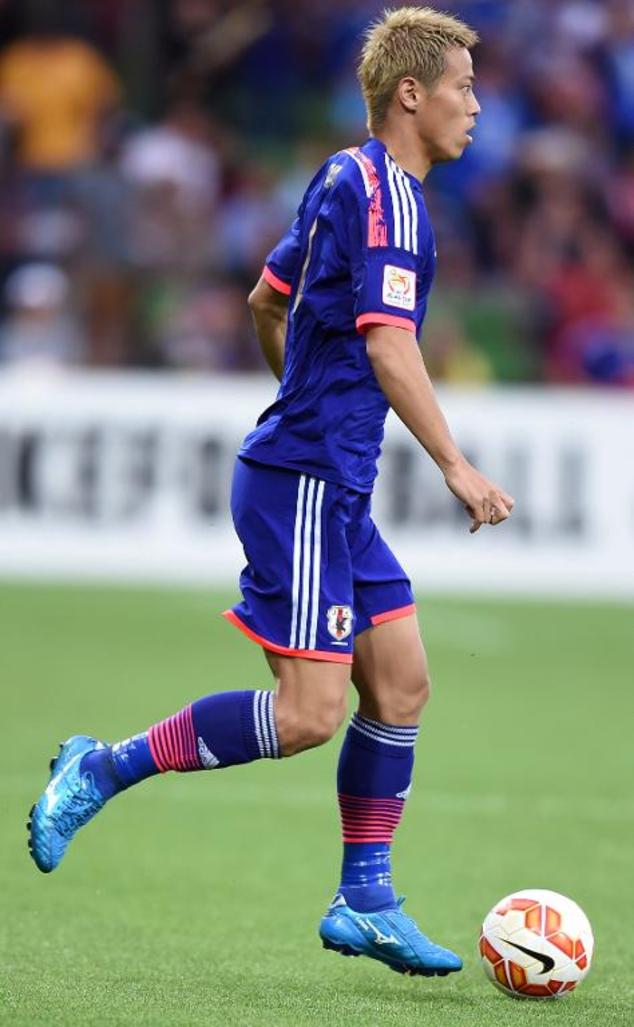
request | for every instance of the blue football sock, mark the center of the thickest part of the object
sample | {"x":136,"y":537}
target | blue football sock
{"x":220,"y":730}
{"x":373,"y":781}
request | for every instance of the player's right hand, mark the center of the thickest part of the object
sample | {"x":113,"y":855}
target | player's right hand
{"x":485,"y":502}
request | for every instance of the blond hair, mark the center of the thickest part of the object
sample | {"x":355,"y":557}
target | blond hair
{"x":406,"y":41}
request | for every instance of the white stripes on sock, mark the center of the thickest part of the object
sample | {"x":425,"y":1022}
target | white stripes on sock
{"x":264,"y":722}
{"x":404,"y":737}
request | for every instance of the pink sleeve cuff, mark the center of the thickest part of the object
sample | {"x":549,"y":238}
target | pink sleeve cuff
{"x":275,"y":282}
{"x":366,"y":321}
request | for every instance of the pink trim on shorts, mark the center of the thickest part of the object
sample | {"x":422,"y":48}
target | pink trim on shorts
{"x":275,"y":282}
{"x":302,"y":654}
{"x":374,"y":320}
{"x":402,"y":611}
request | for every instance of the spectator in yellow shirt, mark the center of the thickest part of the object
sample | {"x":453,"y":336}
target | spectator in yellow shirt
{"x":54,"y":92}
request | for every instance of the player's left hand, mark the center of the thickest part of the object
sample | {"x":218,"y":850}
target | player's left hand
{"x":485,"y":502}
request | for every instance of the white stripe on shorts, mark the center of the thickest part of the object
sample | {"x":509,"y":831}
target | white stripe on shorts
{"x":297,"y":553}
{"x":306,"y":564}
{"x":312,"y":641}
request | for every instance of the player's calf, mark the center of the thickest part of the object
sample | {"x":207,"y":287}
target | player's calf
{"x":310,"y":701}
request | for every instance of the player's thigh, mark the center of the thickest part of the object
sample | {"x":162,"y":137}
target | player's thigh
{"x":310,"y":699}
{"x":297,"y":592}
{"x":390,"y":671}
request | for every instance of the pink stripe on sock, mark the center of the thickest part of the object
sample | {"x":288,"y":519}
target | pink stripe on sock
{"x":176,"y":740}
{"x":173,"y":742}
{"x":154,"y":749}
{"x":192,"y":754}
{"x":355,"y":800}
{"x":369,"y":820}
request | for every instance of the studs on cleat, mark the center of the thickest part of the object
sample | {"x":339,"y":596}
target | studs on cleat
{"x":54,"y":759}
{"x":344,"y":950}
{"x":410,"y":971}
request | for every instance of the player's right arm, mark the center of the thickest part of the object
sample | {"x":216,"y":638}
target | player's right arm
{"x":269,"y":310}
{"x":400,"y":370}
{"x":268,"y":302}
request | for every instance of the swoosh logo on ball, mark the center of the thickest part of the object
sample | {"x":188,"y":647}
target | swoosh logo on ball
{"x":547,"y":962}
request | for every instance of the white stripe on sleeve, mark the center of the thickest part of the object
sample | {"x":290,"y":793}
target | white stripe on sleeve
{"x":413,"y":209}
{"x":407,"y":213}
{"x":396,"y":203}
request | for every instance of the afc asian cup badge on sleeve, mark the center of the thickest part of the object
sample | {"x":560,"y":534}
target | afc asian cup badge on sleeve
{"x":339,"y":622}
{"x":399,"y":287}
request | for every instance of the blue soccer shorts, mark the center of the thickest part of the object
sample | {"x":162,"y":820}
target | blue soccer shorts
{"x":318,"y":572}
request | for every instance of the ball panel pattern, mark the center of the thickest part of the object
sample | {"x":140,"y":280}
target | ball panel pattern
{"x":536,"y":944}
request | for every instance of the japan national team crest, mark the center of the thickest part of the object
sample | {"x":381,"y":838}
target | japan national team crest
{"x":339,"y":622}
{"x":399,"y":287}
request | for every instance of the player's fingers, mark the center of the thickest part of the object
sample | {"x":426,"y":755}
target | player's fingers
{"x":503,"y":501}
{"x":475,"y":520}
{"x":499,"y":509}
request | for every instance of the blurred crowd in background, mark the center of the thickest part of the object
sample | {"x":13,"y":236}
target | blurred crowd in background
{"x":153,"y":151}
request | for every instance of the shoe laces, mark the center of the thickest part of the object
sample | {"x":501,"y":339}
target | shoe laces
{"x":406,"y":924}
{"x":80,"y":805}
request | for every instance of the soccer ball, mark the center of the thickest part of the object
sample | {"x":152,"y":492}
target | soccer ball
{"x":536,"y":944}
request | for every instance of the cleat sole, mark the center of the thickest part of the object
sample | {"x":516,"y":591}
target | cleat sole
{"x":410,"y":971}
{"x":344,"y":950}
{"x":399,"y":968}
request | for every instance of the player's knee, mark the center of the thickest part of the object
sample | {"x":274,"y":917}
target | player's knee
{"x":412,"y":696}
{"x":424,"y":689}
{"x":327,"y":723}
{"x":300,"y":730}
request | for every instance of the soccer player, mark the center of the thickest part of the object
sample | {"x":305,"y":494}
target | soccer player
{"x":338,"y":311}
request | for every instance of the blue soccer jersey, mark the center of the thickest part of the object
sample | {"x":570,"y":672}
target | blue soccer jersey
{"x":360,"y":253}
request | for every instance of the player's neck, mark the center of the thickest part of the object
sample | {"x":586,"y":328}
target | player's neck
{"x":407,"y":152}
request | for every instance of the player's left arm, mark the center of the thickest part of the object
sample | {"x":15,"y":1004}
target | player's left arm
{"x":269,"y":310}
{"x":400,"y":370}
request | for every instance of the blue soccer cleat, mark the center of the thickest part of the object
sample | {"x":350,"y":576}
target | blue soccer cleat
{"x":71,"y":799}
{"x":389,"y":936}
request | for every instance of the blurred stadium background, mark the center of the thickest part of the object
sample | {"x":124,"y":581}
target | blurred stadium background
{"x":151,"y":153}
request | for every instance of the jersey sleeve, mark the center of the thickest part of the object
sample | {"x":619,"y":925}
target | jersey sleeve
{"x":281,"y":263}
{"x":383,"y":262}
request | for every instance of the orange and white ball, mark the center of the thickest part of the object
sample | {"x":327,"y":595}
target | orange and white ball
{"x":536,"y":944}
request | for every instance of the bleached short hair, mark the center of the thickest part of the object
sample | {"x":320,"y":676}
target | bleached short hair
{"x":406,"y":41}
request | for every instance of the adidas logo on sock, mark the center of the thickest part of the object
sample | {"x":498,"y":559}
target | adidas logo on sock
{"x":207,"y":758}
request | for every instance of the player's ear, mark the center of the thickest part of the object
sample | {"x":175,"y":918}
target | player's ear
{"x":409,"y":92}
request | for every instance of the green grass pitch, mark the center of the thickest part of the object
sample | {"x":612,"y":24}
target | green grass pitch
{"x":194,"y":899}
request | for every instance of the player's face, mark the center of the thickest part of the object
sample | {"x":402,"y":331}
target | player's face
{"x":448,"y":113}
